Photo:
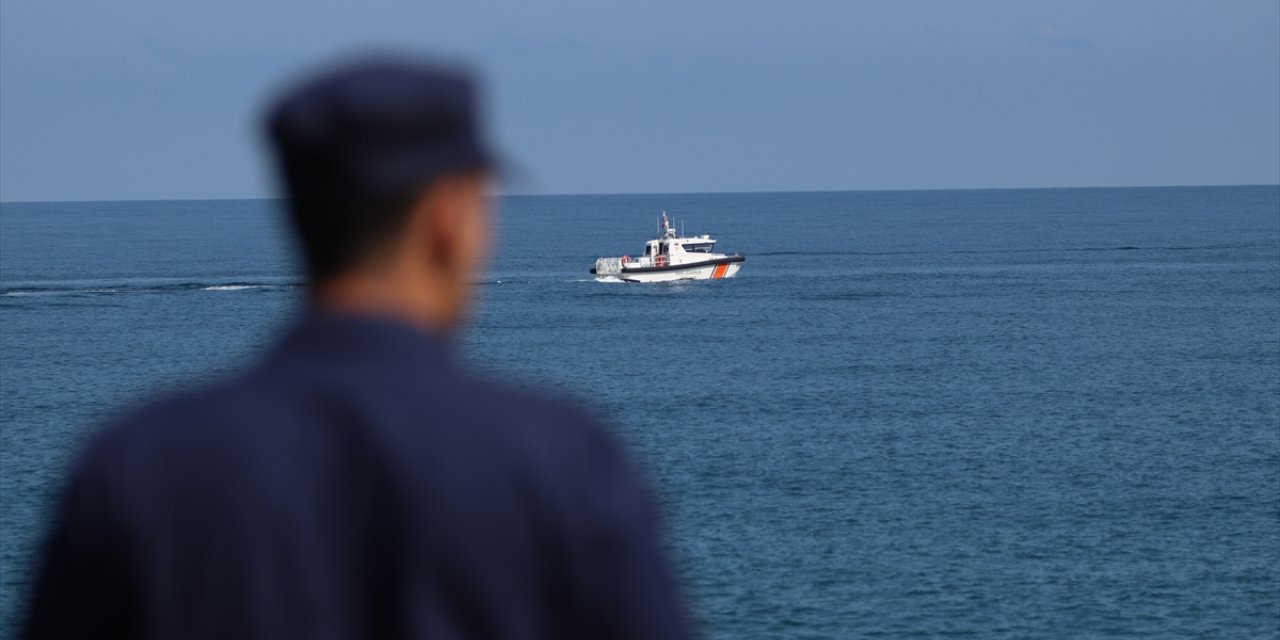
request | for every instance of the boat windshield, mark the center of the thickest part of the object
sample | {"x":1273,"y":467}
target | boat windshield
{"x":699,"y":248}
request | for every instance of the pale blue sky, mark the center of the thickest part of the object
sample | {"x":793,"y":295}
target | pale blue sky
{"x":159,"y":98}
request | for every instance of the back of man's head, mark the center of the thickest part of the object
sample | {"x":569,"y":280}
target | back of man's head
{"x":357,"y":146}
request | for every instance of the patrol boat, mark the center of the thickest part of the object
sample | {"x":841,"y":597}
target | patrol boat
{"x":671,"y":257}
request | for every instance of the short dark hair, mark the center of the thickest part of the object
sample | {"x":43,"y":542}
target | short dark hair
{"x":336,"y":234}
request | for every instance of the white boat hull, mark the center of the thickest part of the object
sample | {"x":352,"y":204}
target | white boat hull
{"x":676,"y":272}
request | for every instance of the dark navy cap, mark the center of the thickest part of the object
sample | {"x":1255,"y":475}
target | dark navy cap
{"x":377,"y":128}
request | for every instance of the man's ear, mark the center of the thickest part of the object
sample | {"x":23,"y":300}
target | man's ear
{"x":441,"y":224}
{"x":429,"y":228}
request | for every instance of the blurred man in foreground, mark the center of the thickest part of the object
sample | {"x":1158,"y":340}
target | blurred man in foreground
{"x":358,"y":483}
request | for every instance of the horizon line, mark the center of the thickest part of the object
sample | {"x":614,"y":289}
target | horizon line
{"x":692,"y":193}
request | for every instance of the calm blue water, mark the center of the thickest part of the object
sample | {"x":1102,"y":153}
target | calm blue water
{"x":1029,"y":413}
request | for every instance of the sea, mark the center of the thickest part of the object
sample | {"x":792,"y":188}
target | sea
{"x":1033,"y":413}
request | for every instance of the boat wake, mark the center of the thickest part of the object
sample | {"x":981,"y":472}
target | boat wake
{"x":485,"y":283}
{"x":115,"y":286}
{"x":231,"y":287}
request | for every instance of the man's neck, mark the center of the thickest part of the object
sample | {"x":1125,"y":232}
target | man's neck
{"x":384,"y":294}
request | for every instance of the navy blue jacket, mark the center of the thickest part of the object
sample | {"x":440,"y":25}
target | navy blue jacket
{"x":356,"y":484}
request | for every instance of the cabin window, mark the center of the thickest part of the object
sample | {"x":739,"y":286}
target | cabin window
{"x":698,"y":248}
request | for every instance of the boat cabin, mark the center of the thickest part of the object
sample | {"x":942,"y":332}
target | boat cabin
{"x":669,"y":245}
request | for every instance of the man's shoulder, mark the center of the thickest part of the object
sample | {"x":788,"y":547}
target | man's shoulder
{"x":532,"y":416}
{"x":263,"y":402}
{"x":166,"y":419}
{"x":528,"y":399}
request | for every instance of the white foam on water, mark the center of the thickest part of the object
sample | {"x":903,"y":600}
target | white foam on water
{"x":607,"y":279}
{"x":230,"y":287}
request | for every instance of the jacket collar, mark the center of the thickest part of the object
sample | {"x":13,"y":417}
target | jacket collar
{"x":361,"y":337}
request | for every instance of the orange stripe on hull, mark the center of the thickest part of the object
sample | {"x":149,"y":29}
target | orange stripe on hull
{"x":720,"y":270}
